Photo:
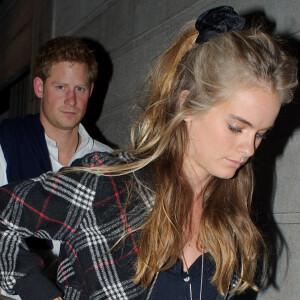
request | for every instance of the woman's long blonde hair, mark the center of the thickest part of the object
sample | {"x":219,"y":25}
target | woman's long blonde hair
{"x":211,"y":71}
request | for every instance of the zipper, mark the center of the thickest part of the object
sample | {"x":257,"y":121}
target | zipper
{"x":152,"y":286}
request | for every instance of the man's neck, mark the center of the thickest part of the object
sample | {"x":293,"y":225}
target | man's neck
{"x":67,"y":141}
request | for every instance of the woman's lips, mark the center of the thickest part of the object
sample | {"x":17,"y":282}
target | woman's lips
{"x":234,"y":163}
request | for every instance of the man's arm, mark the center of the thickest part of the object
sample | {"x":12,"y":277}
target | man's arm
{"x":3,"y":177}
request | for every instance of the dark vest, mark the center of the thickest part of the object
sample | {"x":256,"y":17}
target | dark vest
{"x":24,"y":147}
{"x":26,"y":154}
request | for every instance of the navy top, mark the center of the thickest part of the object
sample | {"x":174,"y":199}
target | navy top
{"x":26,"y":153}
{"x":174,"y":283}
{"x":24,"y":147}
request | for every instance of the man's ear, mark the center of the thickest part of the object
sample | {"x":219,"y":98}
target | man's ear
{"x":91,"y":90}
{"x":38,"y":86}
{"x":182,"y":96}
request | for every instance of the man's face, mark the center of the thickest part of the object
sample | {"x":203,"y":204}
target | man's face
{"x":64,"y":95}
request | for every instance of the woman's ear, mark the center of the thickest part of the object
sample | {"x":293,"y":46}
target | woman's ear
{"x":38,"y":86}
{"x":182,"y":96}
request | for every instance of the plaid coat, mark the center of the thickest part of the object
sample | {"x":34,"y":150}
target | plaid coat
{"x":85,"y":212}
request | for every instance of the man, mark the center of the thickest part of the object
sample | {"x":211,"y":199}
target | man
{"x":65,"y":71}
{"x":64,"y":75}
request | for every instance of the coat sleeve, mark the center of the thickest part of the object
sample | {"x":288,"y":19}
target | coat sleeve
{"x":50,"y":206}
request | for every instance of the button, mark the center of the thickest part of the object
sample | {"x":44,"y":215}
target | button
{"x":186,"y":279}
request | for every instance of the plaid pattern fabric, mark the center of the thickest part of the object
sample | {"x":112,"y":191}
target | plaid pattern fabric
{"x":86,"y":213}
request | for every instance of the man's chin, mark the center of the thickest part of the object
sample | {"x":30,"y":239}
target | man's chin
{"x":69,"y":125}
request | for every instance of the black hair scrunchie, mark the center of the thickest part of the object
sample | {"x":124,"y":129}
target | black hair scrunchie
{"x":217,"y":20}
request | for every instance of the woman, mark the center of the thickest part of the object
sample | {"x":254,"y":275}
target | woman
{"x":168,"y":218}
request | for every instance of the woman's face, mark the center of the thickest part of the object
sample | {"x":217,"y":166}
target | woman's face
{"x":223,"y":138}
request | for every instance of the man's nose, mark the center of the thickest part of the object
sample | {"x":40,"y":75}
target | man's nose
{"x":70,"y":97}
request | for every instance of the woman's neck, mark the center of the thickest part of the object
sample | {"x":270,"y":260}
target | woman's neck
{"x":193,"y":248}
{"x":196,"y":176}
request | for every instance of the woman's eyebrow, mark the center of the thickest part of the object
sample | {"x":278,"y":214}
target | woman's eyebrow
{"x":235,"y":117}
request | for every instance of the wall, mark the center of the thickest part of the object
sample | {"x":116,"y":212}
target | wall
{"x":26,"y":24}
{"x":128,"y":35}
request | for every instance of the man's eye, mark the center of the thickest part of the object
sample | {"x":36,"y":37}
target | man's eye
{"x":80,"y":89}
{"x":60,"y":87}
{"x":234,"y":129}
